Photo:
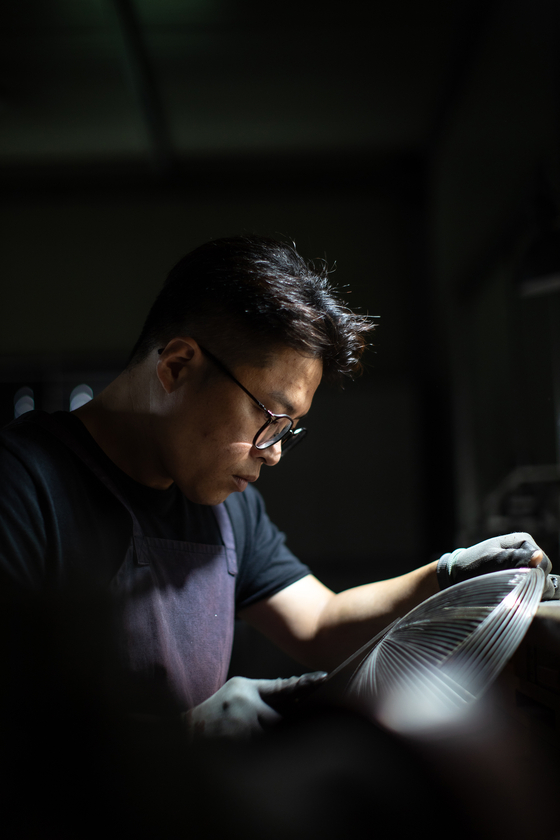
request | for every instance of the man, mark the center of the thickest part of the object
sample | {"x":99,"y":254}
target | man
{"x":146,"y":490}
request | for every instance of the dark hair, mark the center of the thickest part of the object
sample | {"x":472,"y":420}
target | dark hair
{"x":246,"y":293}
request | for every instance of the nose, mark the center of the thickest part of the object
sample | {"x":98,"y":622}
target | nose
{"x":271,"y":455}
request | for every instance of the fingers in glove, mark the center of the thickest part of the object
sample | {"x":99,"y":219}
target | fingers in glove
{"x":520,"y":550}
{"x":517,"y":539}
{"x":540,"y":559}
{"x":282,"y":694}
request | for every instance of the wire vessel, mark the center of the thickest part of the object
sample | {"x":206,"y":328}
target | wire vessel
{"x":446,"y":652}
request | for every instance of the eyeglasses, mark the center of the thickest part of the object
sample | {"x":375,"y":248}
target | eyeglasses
{"x":279,"y":428}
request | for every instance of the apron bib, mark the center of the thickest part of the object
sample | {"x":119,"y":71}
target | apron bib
{"x":174,"y":601}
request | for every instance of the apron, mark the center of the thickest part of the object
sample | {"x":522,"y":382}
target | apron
{"x":174,"y":601}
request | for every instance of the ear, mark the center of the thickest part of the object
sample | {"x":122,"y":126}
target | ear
{"x":177,"y":362}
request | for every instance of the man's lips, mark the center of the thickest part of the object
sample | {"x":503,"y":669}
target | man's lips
{"x":243,"y":480}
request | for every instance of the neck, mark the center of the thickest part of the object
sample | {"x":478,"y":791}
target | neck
{"x":120,"y":421}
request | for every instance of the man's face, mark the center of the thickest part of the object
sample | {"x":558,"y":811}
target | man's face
{"x":205,"y":440}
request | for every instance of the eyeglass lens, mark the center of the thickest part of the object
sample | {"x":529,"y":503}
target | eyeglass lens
{"x":291,"y":440}
{"x":273,"y":432}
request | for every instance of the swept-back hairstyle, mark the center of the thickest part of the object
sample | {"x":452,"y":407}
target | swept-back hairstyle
{"x":242,"y":296}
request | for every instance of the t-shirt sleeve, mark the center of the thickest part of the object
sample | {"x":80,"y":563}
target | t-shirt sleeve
{"x":266,"y":564}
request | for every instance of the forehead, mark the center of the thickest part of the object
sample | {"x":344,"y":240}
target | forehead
{"x":287,"y":381}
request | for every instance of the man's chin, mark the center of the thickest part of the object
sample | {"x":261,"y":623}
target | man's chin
{"x":210,"y":498}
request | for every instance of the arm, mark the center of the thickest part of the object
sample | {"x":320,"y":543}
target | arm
{"x":320,"y":628}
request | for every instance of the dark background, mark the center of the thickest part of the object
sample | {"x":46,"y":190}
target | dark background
{"x":412,"y":144}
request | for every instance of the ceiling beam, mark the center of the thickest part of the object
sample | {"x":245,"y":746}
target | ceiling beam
{"x":142,"y":77}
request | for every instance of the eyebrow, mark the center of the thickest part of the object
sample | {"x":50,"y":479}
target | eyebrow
{"x":280,"y":397}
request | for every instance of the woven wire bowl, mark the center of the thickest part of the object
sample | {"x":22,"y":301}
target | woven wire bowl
{"x":446,"y":652}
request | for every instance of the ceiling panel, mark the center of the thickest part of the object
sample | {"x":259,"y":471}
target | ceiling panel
{"x":229,"y":77}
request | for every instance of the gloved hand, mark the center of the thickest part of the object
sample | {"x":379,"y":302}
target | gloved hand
{"x":244,"y":708}
{"x":512,"y":551}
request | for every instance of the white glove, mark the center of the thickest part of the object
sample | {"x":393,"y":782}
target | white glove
{"x":511,"y":551}
{"x":245,"y":708}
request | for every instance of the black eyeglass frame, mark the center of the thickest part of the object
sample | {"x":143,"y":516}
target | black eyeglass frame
{"x":289,"y":438}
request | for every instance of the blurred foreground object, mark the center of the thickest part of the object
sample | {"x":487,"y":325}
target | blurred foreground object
{"x":77,"y":762}
{"x":530,"y":684}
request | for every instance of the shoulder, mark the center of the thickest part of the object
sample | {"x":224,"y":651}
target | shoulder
{"x":29,"y":436}
{"x":28,"y":498}
{"x":26,"y":448}
{"x":32,"y":456}
{"x":52,"y":508}
{"x":39,"y":467}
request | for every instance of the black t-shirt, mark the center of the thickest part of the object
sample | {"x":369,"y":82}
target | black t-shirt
{"x":61,"y":528}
